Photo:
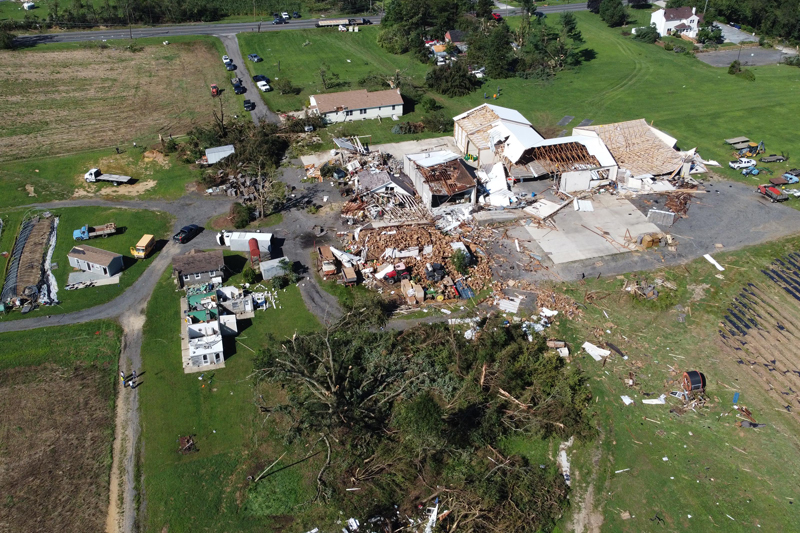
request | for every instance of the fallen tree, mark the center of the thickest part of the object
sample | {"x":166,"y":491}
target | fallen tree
{"x":411,"y":416}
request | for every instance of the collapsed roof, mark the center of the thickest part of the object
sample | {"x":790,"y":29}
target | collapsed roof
{"x":637,"y":146}
{"x":488,"y":124}
{"x":566,"y":154}
{"x":443,"y":175}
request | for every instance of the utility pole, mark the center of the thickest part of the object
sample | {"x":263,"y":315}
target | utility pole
{"x":704,"y":9}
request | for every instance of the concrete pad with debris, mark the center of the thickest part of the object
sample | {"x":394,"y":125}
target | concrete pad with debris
{"x":96,"y":279}
{"x":574,"y":242}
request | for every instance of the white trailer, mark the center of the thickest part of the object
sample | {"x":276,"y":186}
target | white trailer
{"x":239,"y":241}
{"x":95,"y":175}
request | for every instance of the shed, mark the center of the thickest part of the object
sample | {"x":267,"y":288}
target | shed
{"x":91,"y":259}
{"x":271,"y":269}
{"x":217,"y":154}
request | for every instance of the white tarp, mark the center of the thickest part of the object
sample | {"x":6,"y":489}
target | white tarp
{"x":627,"y":400}
{"x":583,"y":205}
{"x":656,"y":401}
{"x":394,"y":253}
{"x":596,"y":352}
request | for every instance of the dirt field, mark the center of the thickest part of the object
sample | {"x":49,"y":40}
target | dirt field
{"x":54,"y":430}
{"x":63,"y":101}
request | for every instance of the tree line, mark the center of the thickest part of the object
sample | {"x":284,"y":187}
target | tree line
{"x":121,"y":12}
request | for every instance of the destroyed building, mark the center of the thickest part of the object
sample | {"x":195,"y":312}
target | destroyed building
{"x":573,"y":161}
{"x":488,"y":131}
{"x":637,"y":147}
{"x":441,"y":177}
{"x":380,"y":181}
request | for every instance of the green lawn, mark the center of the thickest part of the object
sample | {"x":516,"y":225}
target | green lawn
{"x":713,"y":468}
{"x":698,"y":104}
{"x":135,"y":223}
{"x":207,"y":491}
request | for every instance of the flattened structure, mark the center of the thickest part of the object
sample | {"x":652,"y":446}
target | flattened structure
{"x":637,"y":146}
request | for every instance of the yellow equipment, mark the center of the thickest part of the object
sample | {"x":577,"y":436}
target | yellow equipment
{"x":143,"y":247}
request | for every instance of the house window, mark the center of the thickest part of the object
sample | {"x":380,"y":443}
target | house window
{"x":363,"y":111}
{"x":205,"y":359}
{"x":212,"y":273}
{"x":348,"y":113}
{"x":197,"y":276}
{"x":393,"y":107}
{"x":186,"y":277}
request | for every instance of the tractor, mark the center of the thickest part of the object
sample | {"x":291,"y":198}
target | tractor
{"x":214,"y":90}
{"x":752,"y":150}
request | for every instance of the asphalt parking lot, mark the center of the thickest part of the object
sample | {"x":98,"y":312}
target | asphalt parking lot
{"x":750,"y":56}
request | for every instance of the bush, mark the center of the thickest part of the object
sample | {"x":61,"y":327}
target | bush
{"x":239,"y":215}
{"x":460,"y":262}
{"x":283,"y":86}
{"x":747,"y":74}
{"x":6,"y":40}
{"x":437,"y":122}
{"x":646,"y":34}
{"x":249,"y":274}
{"x":792,"y":61}
{"x":171,"y":146}
{"x":668,"y":47}
{"x":735,"y":68}
{"x":429,"y":104}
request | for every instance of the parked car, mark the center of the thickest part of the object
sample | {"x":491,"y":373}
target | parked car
{"x":366,"y":21}
{"x":497,"y":17}
{"x":260,"y":77}
{"x":255,"y":58}
{"x":279,"y":20}
{"x":186,"y":234}
{"x":296,"y":15}
{"x":226,"y":59}
{"x":742,"y":163}
{"x":309,"y":128}
{"x":239,"y":89}
{"x":285,"y":16}
{"x":774,"y":158}
{"x":249,"y":106}
{"x":230,"y":66}
{"x":263,"y":86}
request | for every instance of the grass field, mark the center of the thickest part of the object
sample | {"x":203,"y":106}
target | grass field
{"x":712,"y":468}
{"x":208,"y":490}
{"x":57,"y":426}
{"x":135,"y":223}
{"x":698,"y":104}
{"x":76,"y":97}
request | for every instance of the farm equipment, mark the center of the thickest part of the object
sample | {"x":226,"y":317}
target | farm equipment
{"x":774,"y":158}
{"x":90,"y":232}
{"x":751,"y":150}
{"x":143,"y":247}
{"x":95,"y":175}
{"x":214,"y":90}
{"x":773,"y":193}
{"x":392,"y":273}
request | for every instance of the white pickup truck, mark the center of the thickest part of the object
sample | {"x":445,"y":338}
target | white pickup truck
{"x":95,"y":175}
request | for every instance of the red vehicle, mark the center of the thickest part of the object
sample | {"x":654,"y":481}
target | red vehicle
{"x":773,"y":193}
{"x":398,"y":272}
{"x":497,"y":17}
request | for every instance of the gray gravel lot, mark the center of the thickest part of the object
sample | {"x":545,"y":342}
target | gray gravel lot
{"x":751,"y":56}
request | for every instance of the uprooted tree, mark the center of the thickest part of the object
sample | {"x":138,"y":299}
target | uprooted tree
{"x":414,"y":415}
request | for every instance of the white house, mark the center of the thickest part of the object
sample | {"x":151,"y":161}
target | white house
{"x":681,"y":20}
{"x":91,"y":259}
{"x":357,"y":105}
{"x":488,"y":132}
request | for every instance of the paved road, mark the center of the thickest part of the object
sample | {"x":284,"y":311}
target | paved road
{"x":749,"y":56}
{"x":262,"y":112}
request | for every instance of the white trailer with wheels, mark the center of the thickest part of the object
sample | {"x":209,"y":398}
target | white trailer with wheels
{"x":239,"y":241}
{"x":95,"y":175}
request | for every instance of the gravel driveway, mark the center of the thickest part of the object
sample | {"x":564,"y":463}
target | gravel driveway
{"x":751,"y":57}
